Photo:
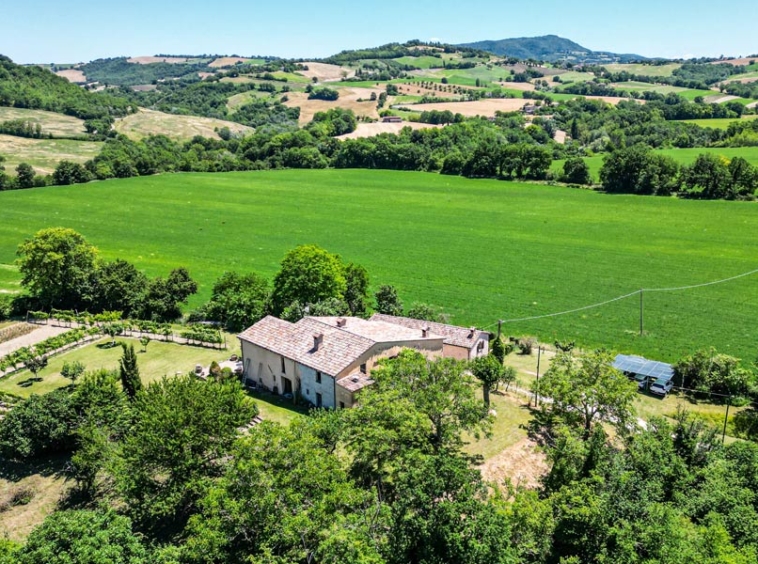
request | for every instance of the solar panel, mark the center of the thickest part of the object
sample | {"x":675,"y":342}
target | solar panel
{"x":644,"y":367}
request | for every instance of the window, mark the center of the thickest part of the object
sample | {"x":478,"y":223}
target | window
{"x":342,"y":405}
{"x":480,"y":346}
{"x":284,"y":370}
{"x":363,"y":368}
{"x":307,"y":392}
{"x":318,"y":377}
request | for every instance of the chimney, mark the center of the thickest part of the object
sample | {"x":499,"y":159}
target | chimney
{"x":341,"y":321}
{"x":318,"y":338}
{"x":425,"y":331}
{"x":472,"y":331}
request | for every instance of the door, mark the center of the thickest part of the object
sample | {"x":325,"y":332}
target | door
{"x":286,"y":385}
{"x":318,"y":400}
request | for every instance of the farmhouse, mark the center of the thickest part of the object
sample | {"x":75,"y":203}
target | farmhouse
{"x":328,"y":360}
{"x":392,"y":119}
{"x":459,"y":342}
{"x":325,"y":360}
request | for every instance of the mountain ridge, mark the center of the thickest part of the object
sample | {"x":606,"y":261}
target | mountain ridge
{"x":549,"y":48}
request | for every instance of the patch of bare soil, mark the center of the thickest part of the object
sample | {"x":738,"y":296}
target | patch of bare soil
{"x":742,"y":62}
{"x":720,"y":99}
{"x":374,"y":129}
{"x":415,"y":90}
{"x":485,"y":108}
{"x":151,"y":60}
{"x":223,"y":62}
{"x":73,"y":75}
{"x":348,"y":100}
{"x":523,"y":464}
{"x":560,"y":137}
{"x":326,"y":73}
{"x":523,"y":86}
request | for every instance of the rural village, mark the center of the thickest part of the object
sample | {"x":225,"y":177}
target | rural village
{"x":420,"y":303}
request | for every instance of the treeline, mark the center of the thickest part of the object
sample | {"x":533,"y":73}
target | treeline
{"x":78,"y":280}
{"x":503,"y":148}
{"x":36,"y":88}
{"x":210,"y":99}
{"x":24,"y":128}
{"x":638,"y":170}
{"x":118,"y":71}
{"x":695,"y":76}
{"x":599,"y":127}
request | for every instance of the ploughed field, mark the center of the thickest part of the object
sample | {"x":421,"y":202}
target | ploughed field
{"x":482,"y":249}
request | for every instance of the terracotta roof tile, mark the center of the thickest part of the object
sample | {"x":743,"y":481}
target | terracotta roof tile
{"x":453,"y":335}
{"x":338,"y":349}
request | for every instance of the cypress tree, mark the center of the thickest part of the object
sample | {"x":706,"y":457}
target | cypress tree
{"x":129,"y":371}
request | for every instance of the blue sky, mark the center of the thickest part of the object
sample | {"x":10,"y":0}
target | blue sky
{"x":65,"y":31}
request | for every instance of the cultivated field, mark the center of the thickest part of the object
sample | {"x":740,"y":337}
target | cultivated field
{"x":151,"y":60}
{"x":744,"y":61}
{"x":348,"y":100}
{"x":326,"y":73}
{"x":485,"y":108}
{"x":432,"y":236}
{"x":717,"y":123}
{"x":645,"y":70}
{"x":73,"y":75}
{"x":374,"y":129}
{"x":149,"y":122}
{"x":58,"y":125}
{"x":44,"y":154}
{"x":223,"y":62}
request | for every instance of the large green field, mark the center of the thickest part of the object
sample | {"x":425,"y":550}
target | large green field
{"x":682,"y":156}
{"x":484,"y":250}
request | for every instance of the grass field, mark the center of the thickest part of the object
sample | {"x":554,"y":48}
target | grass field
{"x":161,"y":359}
{"x":717,"y":123}
{"x":44,"y":154}
{"x":483,"y":250}
{"x":644,"y":70}
{"x":682,"y":156}
{"x":181,"y":128}
{"x":58,"y":125}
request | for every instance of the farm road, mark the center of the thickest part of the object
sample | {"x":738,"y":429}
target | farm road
{"x":40,"y":334}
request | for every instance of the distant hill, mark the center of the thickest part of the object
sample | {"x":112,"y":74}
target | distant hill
{"x":549,"y":48}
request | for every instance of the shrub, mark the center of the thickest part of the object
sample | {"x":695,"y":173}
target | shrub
{"x":526,"y":344}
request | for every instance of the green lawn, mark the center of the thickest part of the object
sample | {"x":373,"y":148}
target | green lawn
{"x":423,"y":62}
{"x":9,"y":279}
{"x":682,"y":156}
{"x":161,"y":359}
{"x":482,"y":249}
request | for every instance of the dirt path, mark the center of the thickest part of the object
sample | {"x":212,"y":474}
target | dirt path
{"x":40,"y":334}
{"x":523,"y":463}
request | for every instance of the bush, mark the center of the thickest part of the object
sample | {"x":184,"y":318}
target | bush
{"x":526,"y":344}
{"x":38,"y":426}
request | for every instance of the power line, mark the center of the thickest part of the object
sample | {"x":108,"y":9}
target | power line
{"x":744,"y":274}
{"x":636,"y":292}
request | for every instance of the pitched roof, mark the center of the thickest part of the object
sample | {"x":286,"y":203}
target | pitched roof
{"x":453,"y":335}
{"x":377,"y":330}
{"x":354,"y":382}
{"x":338,"y":349}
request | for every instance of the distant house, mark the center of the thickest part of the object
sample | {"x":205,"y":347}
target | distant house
{"x":392,"y":119}
{"x":459,"y":342}
{"x":326,"y":360}
{"x":529,"y":109}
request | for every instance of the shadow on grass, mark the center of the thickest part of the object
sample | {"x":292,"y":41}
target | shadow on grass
{"x":29,"y":382}
{"x":15,"y":471}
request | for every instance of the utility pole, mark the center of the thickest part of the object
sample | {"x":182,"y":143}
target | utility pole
{"x":499,"y":327}
{"x":726,"y":418}
{"x":641,"y":309}
{"x":537,"y":385}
